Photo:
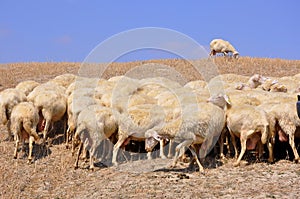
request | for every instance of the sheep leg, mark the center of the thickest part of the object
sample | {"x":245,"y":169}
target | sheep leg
{"x":292,"y":144}
{"x":92,"y":166}
{"x":149,"y":155}
{"x":17,"y":138}
{"x":260,"y":150}
{"x":171,"y":142}
{"x":31,"y":140}
{"x":78,"y":154}
{"x":234,"y":145}
{"x":47,"y":125}
{"x":270,"y":149}
{"x":221,"y":142}
{"x":243,"y":139}
{"x":201,"y":169}
{"x":161,"y":151}
{"x":117,"y":146}
{"x":10,"y":135}
{"x":271,"y":140}
{"x":67,"y":136}
{"x":180,"y":148}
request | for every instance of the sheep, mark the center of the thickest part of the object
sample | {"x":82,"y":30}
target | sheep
{"x":8,"y":99}
{"x":247,"y":122}
{"x":222,"y":46}
{"x":195,"y":85}
{"x":288,"y":121}
{"x":52,"y":106}
{"x":64,"y":80}
{"x":94,"y":126}
{"x":133,"y":125}
{"x":46,"y":87}
{"x":27,"y":86}
{"x":82,"y":83}
{"x":74,"y":107}
{"x":24,"y":118}
{"x":253,"y":82}
{"x":200,"y":123}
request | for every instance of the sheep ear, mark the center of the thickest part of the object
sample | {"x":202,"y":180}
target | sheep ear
{"x":227,"y":99}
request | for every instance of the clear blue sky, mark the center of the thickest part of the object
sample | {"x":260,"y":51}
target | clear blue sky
{"x":67,"y":30}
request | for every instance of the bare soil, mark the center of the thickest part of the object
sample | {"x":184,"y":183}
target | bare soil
{"x":52,"y":174}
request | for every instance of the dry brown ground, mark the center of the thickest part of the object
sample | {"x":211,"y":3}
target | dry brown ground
{"x":52,"y":174}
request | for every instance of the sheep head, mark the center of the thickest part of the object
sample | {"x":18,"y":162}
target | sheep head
{"x":221,"y":100}
{"x":236,"y":55}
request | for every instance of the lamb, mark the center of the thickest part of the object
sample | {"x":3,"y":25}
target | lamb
{"x":201,"y":123}
{"x":8,"y":99}
{"x":95,"y":124}
{"x":247,"y":122}
{"x":222,"y":46}
{"x":24,"y":118}
{"x":27,"y":86}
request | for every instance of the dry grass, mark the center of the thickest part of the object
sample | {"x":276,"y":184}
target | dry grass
{"x":11,"y":74}
{"x":52,"y":175}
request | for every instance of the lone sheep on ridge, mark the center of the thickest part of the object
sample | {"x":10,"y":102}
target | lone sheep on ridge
{"x":222,"y":46}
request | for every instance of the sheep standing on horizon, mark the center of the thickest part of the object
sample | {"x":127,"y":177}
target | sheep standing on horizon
{"x":222,"y":46}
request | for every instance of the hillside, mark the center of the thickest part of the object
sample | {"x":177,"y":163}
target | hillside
{"x":52,"y":175}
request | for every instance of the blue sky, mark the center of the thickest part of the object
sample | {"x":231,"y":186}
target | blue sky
{"x":67,"y":30}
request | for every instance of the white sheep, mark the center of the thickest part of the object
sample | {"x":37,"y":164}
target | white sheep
{"x":133,"y":124}
{"x":24,"y":118}
{"x":27,"y":86}
{"x":94,"y":126}
{"x":222,"y":46}
{"x":52,"y":106}
{"x":288,"y":121}
{"x":74,"y":107}
{"x":247,"y":122}
{"x":202,"y":123}
{"x":64,"y":80}
{"x":8,"y":99}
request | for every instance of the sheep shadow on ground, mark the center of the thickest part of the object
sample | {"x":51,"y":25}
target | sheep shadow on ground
{"x":39,"y":151}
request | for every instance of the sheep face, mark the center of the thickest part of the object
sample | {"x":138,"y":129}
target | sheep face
{"x":236,"y":55}
{"x":150,"y":143}
{"x":152,"y":139}
{"x":220,"y":100}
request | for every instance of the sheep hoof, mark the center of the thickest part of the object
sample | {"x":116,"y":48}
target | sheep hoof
{"x":15,"y":157}
{"x":92,"y":168}
{"x":296,"y":160}
{"x":29,"y":161}
{"x":236,"y":164}
{"x":201,"y":172}
{"x":75,"y":167}
{"x":163,"y":157}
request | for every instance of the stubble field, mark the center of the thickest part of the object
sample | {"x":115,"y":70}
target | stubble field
{"x":52,"y":174}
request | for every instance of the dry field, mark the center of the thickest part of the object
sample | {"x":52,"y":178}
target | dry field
{"x":52,"y":175}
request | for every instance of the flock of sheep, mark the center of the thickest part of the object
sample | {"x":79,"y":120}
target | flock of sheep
{"x":105,"y":115}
